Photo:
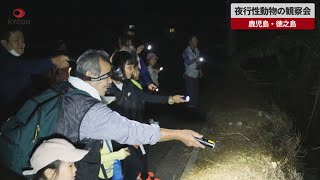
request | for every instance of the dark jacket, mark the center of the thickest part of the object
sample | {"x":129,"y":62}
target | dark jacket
{"x":68,"y":125}
{"x":15,"y":82}
{"x":144,"y":79}
{"x":131,"y":100}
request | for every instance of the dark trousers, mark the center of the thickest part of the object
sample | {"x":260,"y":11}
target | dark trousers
{"x":136,"y":163}
{"x":192,"y":87}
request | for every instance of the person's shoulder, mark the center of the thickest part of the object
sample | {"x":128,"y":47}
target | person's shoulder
{"x":112,"y":88}
{"x":5,"y":55}
{"x":187,"y":50}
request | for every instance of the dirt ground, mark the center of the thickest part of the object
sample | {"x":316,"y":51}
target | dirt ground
{"x":254,"y":139}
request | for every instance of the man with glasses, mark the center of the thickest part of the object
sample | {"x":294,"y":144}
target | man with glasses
{"x":85,"y":120}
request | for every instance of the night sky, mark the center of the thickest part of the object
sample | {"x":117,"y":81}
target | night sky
{"x":97,"y":23}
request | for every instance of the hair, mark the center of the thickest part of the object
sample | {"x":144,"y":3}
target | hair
{"x":7,"y":33}
{"x":123,"y":40}
{"x":89,"y":61}
{"x":121,"y":58}
{"x":54,"y":165}
{"x":135,"y":62}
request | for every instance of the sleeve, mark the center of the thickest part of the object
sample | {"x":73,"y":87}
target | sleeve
{"x":151,"y":98}
{"x":101,"y":123}
{"x":186,"y":57}
{"x":37,"y":66}
{"x":30,"y":66}
{"x":152,"y":74}
{"x":113,"y":156}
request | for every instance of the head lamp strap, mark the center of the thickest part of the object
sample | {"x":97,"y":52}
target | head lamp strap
{"x":87,"y":78}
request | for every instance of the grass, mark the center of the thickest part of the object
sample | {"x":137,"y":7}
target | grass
{"x":250,"y":144}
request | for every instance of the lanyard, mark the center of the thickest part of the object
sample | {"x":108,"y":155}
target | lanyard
{"x":108,"y":146}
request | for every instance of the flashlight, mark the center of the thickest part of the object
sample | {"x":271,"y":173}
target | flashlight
{"x":143,"y":151}
{"x":201,"y":59}
{"x":156,"y":89}
{"x":186,"y":98}
{"x":149,"y":47}
{"x":161,"y":68}
{"x":205,"y":142}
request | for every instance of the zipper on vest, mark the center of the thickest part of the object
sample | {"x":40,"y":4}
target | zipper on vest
{"x":37,"y":130}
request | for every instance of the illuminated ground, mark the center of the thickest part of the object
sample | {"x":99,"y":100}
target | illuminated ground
{"x":254,"y":139}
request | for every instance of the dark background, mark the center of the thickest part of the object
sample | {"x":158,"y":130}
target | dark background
{"x":98,"y":23}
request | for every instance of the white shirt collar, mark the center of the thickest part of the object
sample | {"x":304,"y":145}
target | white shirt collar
{"x":82,"y":85}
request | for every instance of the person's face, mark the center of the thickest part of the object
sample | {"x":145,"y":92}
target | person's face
{"x":66,"y":171}
{"x":128,"y":70}
{"x":136,"y":73}
{"x":130,"y":33}
{"x":103,"y":85}
{"x":153,"y":61}
{"x":15,"y":42}
{"x":194,"y":42}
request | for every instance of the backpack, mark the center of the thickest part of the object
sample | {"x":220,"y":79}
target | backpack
{"x":34,"y":122}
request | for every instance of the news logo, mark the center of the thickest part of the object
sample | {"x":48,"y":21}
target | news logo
{"x":273,"y":16}
{"x":18,"y":13}
{"x":18,"y":17}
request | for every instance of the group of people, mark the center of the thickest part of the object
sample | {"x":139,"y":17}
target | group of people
{"x":107,"y":119}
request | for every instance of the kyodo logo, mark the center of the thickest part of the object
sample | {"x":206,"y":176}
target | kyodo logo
{"x":18,"y":13}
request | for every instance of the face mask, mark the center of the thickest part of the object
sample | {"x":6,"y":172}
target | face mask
{"x":13,"y":52}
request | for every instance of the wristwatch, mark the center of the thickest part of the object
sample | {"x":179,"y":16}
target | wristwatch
{"x":170,"y":100}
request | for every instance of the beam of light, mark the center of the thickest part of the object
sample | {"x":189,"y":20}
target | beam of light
{"x":149,"y":47}
{"x":161,"y":68}
{"x":201,"y":59}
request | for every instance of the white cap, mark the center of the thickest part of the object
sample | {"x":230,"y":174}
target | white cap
{"x":52,"y":150}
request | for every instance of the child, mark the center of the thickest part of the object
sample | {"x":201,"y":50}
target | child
{"x":130,"y":102}
{"x":136,"y":75}
{"x":152,"y":59}
{"x":54,"y":159}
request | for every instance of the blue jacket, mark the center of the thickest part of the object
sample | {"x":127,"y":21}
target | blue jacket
{"x":15,"y":77}
{"x":145,"y":78}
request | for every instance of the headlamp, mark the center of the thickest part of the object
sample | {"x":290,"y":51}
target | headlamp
{"x":117,"y":74}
